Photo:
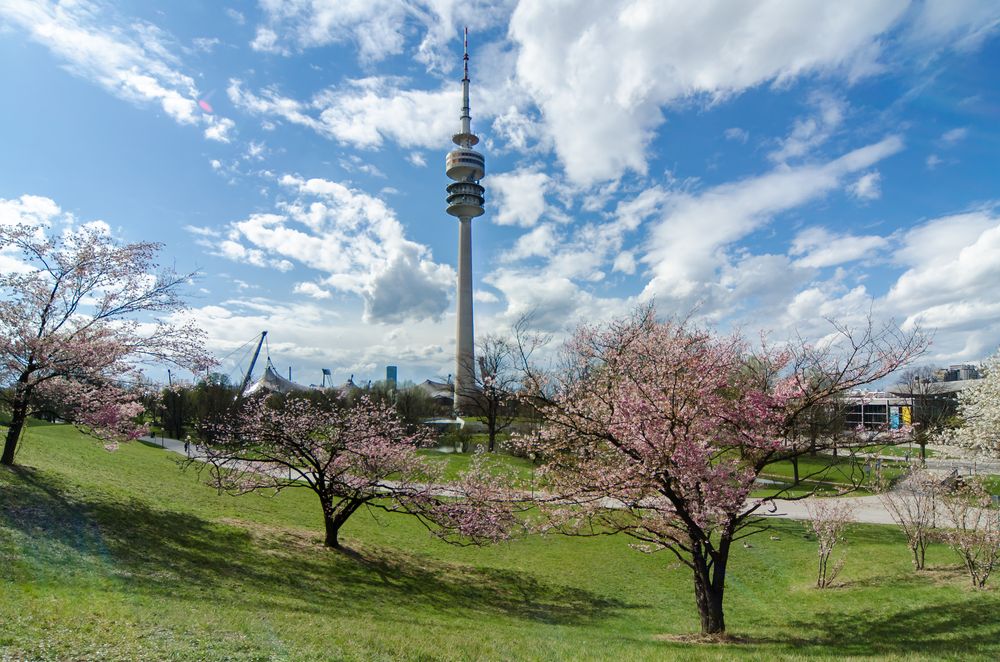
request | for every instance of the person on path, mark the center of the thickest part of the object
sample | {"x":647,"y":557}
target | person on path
{"x":187,"y":445}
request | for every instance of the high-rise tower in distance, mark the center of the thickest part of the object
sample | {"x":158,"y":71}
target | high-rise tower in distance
{"x":466,"y":167}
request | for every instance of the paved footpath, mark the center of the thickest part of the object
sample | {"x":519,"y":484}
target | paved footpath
{"x":865,"y":510}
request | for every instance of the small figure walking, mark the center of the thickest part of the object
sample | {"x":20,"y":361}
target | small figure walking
{"x":187,"y":445}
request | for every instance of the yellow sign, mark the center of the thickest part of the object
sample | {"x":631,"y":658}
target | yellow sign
{"x":907,"y":414}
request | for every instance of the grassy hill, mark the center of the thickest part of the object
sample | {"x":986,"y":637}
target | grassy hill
{"x":124,"y":556}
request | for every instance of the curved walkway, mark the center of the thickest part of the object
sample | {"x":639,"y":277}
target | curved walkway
{"x":864,"y":510}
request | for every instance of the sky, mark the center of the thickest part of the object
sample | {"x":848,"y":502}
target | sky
{"x":760,"y":166}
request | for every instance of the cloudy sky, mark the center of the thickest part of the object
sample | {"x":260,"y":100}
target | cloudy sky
{"x":766,"y":164}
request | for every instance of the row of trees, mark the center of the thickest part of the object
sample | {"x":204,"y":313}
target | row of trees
{"x":956,"y":513}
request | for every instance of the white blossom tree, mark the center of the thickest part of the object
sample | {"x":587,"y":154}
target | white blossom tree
{"x":828,"y":519}
{"x":912,"y":505}
{"x":979,"y":409}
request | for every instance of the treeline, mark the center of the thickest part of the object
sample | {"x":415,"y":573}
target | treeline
{"x":192,"y":409}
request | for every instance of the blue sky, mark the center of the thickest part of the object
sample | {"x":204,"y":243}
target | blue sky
{"x":767,"y":165}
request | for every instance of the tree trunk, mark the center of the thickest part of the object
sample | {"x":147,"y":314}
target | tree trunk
{"x":795,"y":470}
{"x":19,"y":414}
{"x":493,"y":438}
{"x":709,"y":586}
{"x":332,"y":529}
{"x":335,"y":516}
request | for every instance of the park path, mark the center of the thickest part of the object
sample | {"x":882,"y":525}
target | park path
{"x":864,"y":509}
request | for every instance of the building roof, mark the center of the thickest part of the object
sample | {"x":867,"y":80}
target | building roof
{"x":931,"y":388}
{"x":272,"y":382}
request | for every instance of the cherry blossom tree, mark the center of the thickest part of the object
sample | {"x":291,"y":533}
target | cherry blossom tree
{"x":355,"y":456}
{"x":658,"y":430}
{"x":912,"y":504}
{"x":70,"y":331}
{"x":828,"y":519}
{"x":972,"y":529}
{"x":979,"y":410}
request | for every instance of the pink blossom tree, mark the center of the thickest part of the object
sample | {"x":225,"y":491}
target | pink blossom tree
{"x":70,"y":332}
{"x":351,"y":457}
{"x":658,"y":430}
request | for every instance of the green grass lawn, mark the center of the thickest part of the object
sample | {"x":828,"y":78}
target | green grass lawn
{"x":829,"y":472}
{"x":456,"y":463}
{"x":123,"y":556}
{"x":896,"y":450}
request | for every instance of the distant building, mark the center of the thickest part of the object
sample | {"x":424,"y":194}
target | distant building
{"x":956,"y":373}
{"x":441,"y":392}
{"x":877,"y":410}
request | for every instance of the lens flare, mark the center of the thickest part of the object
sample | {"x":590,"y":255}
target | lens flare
{"x":204,"y":105}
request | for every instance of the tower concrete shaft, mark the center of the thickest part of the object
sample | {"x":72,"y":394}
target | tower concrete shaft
{"x":465,"y":351}
{"x":466,"y":167}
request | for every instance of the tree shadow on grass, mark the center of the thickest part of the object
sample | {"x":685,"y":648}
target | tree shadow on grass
{"x":170,"y":553}
{"x":965,"y":628}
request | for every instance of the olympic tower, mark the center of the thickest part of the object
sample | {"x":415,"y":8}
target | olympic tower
{"x":466,"y":167}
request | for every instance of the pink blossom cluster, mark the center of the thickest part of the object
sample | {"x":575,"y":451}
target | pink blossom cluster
{"x":663,"y":419}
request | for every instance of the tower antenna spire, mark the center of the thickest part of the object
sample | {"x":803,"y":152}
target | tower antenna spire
{"x":466,"y":115}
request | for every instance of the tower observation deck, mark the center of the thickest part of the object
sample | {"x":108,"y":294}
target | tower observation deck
{"x":465,"y":166}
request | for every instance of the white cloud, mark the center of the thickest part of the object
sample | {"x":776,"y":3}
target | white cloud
{"x":307,"y":335}
{"x":218,"y":129}
{"x":134,"y":62}
{"x":950,"y":259}
{"x":867,"y":187}
{"x":933,"y":161}
{"x":954,"y":136}
{"x":812,"y":131}
{"x":311,"y":290}
{"x":354,"y":240}
{"x":820,"y":248}
{"x":737,"y":134}
{"x":538,"y":242}
{"x":31,"y":210}
{"x":236,"y":16}
{"x":555,"y":303}
{"x":601,"y":71}
{"x":363,"y":112}
{"x":417,"y":159}
{"x":950,"y":283}
{"x":377,"y":28}
{"x":518,"y":128}
{"x":24,"y":212}
{"x":625,"y":262}
{"x":964,"y":24}
{"x":231,"y":249}
{"x":519,"y":197}
{"x":266,"y":41}
{"x":485,"y":296}
{"x":206,"y":44}
{"x":688,"y":243}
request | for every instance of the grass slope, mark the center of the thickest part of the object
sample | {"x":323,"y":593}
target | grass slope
{"x":123,"y":556}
